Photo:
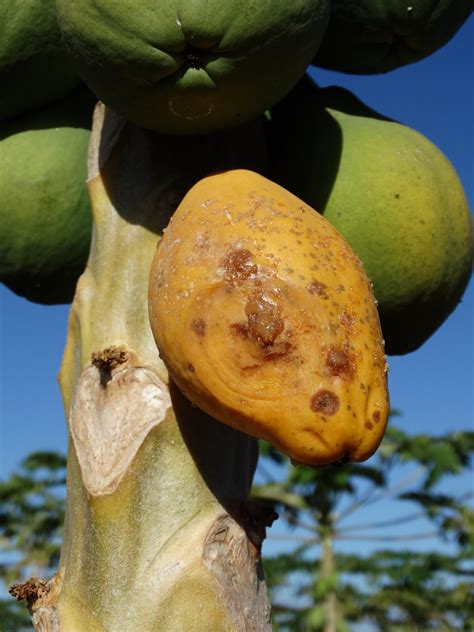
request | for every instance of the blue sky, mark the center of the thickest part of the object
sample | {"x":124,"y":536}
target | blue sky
{"x":433,"y":386}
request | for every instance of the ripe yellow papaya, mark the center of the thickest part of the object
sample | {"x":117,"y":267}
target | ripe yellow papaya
{"x":266,"y":320}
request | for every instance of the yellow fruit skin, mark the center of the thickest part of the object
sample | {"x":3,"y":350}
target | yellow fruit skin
{"x":266,"y":320}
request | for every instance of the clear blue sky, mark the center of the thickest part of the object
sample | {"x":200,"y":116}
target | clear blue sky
{"x":433,"y":386}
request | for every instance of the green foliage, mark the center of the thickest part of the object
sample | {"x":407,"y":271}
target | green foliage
{"x":316,"y":586}
{"x":31,"y":518}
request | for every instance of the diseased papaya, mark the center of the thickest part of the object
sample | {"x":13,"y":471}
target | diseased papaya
{"x":266,"y":320}
{"x":373,"y":36}
{"x":192,"y":66}
{"x":390,"y":192}
{"x":45,"y":214}
{"x":34,"y":66}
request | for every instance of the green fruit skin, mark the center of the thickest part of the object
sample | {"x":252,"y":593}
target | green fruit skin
{"x":45,"y":213}
{"x":391,"y":193}
{"x":191,"y":66}
{"x":34,"y":66}
{"x":375,"y":36}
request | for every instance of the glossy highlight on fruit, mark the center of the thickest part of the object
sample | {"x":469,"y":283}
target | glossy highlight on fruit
{"x":191,"y":66}
{"x":267,"y":322}
{"x":391,"y":193}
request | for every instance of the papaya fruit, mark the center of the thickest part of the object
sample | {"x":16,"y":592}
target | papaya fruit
{"x":45,"y":214}
{"x":266,"y":320}
{"x":375,"y":36}
{"x":34,"y":66}
{"x":191,"y":66}
{"x":390,"y":192}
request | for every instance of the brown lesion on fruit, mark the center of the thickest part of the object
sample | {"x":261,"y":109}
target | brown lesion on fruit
{"x":199,"y":327}
{"x":238,"y":265}
{"x":340,"y":363}
{"x":318,"y":288}
{"x":108,"y":360}
{"x":347,"y":320}
{"x":264,"y":317}
{"x":376,"y":416}
{"x":325,"y":402}
{"x":264,"y":328}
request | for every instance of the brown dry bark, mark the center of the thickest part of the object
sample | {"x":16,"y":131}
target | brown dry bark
{"x":159,"y":532}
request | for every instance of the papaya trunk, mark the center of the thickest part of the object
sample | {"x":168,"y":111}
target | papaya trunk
{"x":159,"y":533}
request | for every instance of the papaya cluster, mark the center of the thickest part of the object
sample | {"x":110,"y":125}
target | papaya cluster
{"x":185,"y":69}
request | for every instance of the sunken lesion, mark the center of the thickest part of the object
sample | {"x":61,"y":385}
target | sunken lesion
{"x":325,"y":402}
{"x":264,"y":317}
{"x":340,"y":363}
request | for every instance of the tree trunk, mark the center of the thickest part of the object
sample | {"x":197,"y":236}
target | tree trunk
{"x":327,"y":572}
{"x":159,"y":533}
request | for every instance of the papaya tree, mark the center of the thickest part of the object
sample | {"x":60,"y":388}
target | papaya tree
{"x":317,"y":585}
{"x":216,"y":307}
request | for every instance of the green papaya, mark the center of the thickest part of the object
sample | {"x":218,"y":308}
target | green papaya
{"x":191,"y":66}
{"x":45,"y":214}
{"x":390,"y":192}
{"x":34,"y":66}
{"x":374,"y":36}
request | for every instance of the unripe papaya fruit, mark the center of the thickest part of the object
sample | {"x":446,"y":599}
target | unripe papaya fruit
{"x":34,"y":66}
{"x":373,"y":36}
{"x":390,"y":192}
{"x":45,"y":214}
{"x":267,"y":322}
{"x":192,"y":66}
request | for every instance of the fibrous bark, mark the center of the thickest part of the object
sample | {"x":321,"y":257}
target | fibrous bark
{"x":159,"y":533}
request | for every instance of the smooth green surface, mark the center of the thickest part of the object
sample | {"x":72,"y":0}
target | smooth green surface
{"x":45,"y":216}
{"x":373,"y":36}
{"x":191,"y":66}
{"x":391,"y":193}
{"x":34,"y":66}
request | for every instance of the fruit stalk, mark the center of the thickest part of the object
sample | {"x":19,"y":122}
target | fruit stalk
{"x":159,"y":532}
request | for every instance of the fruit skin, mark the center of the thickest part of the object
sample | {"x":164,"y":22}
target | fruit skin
{"x":192,"y":66}
{"x":267,"y":322}
{"x":45,"y":214}
{"x":34,"y":66}
{"x":391,"y":193}
{"x":374,"y":36}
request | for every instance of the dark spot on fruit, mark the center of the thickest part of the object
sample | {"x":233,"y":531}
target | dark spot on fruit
{"x":238,"y":265}
{"x":325,"y":402}
{"x":318,"y":288}
{"x":376,"y":416}
{"x":198,"y":326}
{"x":191,"y":368}
{"x":264,"y":318}
{"x":369,"y":425}
{"x":240,"y":329}
{"x":347,"y":319}
{"x":339,"y":363}
{"x":397,"y":195}
{"x":283,"y":351}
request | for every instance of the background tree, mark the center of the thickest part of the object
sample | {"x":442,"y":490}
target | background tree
{"x":317,"y":586}
{"x":31,"y":524}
